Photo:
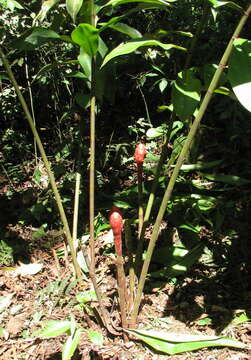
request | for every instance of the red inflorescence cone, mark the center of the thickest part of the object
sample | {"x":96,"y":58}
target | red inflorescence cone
{"x":140,"y":153}
{"x":116,"y":222}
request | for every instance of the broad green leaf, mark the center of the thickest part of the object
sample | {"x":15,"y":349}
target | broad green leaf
{"x":86,"y":36}
{"x":53,"y":328}
{"x":10,"y":4}
{"x":71,"y":345}
{"x":82,"y":99}
{"x":227,"y":179}
{"x":36,"y":38}
{"x":126,"y":29}
{"x":218,"y":3}
{"x":73,"y":7}
{"x":171,"y":343}
{"x":131,"y":46}
{"x":239,"y":72}
{"x":200,"y":166}
{"x":154,"y":133}
{"x":85,"y":61}
{"x":120,"y":2}
{"x":177,"y":260}
{"x":95,"y":337}
{"x":186,"y":94}
{"x":46,"y":6}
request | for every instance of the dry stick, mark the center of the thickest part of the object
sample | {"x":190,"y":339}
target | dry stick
{"x":46,"y":163}
{"x":179,"y":163}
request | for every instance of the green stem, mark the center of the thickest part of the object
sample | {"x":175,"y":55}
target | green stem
{"x":46,"y":163}
{"x":179,"y":163}
{"x":104,"y":313}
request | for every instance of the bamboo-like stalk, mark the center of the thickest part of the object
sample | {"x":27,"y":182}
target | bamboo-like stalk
{"x":163,"y":155}
{"x":179,"y":163}
{"x":104,"y":313}
{"x":46,"y":163}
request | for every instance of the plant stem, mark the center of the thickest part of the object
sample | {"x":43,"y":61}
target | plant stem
{"x":140,"y":198}
{"x":151,"y":198}
{"x":92,"y":274}
{"x":46,"y":163}
{"x":121,"y":289}
{"x":179,"y":163}
{"x":128,"y":241}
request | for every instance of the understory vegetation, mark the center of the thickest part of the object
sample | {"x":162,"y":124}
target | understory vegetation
{"x":125,"y":179}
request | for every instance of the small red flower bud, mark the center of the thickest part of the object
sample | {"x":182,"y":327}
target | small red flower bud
{"x":116,"y":220}
{"x":140,"y":153}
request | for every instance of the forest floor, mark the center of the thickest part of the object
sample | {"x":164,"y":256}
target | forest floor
{"x":199,"y":304}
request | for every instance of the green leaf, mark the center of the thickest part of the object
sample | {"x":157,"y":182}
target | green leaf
{"x":154,"y":133}
{"x":227,"y":179}
{"x":186,"y":94}
{"x":85,"y":61}
{"x":46,"y":6}
{"x":84,"y":297}
{"x":86,"y":36}
{"x":163,"y":84}
{"x":178,"y":260}
{"x":218,"y":3}
{"x":10,"y":4}
{"x":239,"y":72}
{"x":200,"y":166}
{"x":126,"y":29}
{"x":95,"y":337}
{"x":171,"y":343}
{"x":71,"y":345}
{"x":73,"y":7}
{"x":243,"y":318}
{"x":39,"y":233}
{"x":36,"y":38}
{"x":53,"y":328}
{"x":120,"y":2}
{"x":131,"y":46}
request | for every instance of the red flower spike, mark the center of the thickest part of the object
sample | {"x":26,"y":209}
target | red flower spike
{"x":116,"y":222}
{"x":140,"y":153}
